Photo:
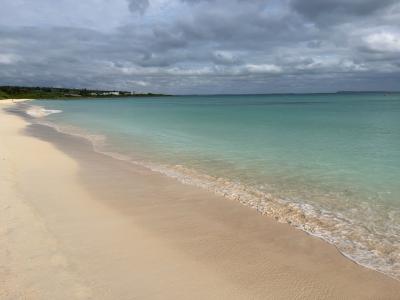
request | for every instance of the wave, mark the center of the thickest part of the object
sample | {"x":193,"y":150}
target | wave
{"x":376,"y":246}
{"x":40,"y":112}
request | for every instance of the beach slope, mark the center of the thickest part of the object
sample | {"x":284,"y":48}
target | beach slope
{"x":76,"y":224}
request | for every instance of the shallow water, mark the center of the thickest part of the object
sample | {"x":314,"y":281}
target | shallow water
{"x":328,"y":164}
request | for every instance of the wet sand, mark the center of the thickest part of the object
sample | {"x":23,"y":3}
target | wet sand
{"x":81,"y":225}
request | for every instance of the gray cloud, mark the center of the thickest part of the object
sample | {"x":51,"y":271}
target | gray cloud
{"x":204,"y":46}
{"x":138,"y":6}
{"x":333,"y":11}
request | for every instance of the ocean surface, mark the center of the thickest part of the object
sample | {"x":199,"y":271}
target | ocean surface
{"x":328,"y":164}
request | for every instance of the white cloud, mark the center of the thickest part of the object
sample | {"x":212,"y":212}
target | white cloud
{"x":139,"y":82}
{"x":384,"y":41}
{"x":262,"y":68}
{"x":246,"y":69}
{"x":8,"y":59}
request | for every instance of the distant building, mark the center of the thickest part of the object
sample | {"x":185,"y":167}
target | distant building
{"x":109,"y":93}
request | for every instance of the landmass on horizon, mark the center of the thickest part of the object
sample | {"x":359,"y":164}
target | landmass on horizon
{"x":25,"y":92}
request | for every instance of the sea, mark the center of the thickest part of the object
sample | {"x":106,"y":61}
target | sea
{"x":328,"y":164}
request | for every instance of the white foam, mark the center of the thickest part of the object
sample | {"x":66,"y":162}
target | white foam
{"x":40,"y":112}
{"x":379,"y":251}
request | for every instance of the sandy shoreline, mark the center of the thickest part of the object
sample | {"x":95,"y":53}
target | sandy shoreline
{"x":80,"y":225}
{"x":12,"y":101}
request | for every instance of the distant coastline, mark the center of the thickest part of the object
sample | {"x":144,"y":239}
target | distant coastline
{"x":299,"y":93}
{"x":23,"y":92}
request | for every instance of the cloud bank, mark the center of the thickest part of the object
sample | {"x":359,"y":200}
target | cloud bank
{"x":205,"y":46}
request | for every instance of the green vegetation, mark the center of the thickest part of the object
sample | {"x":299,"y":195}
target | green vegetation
{"x":21,"y":92}
{"x":3,"y":95}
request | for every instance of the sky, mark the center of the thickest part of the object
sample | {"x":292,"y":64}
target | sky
{"x":202,"y":46}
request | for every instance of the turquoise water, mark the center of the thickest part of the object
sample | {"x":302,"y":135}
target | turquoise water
{"x":326,"y":163}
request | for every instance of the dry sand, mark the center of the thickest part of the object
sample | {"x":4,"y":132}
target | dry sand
{"x":75,"y":224}
{"x":12,"y":101}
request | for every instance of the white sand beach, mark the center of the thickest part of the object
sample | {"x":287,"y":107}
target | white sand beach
{"x":75,"y":224}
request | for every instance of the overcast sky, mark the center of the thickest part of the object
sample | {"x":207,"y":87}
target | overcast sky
{"x":202,"y":46}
